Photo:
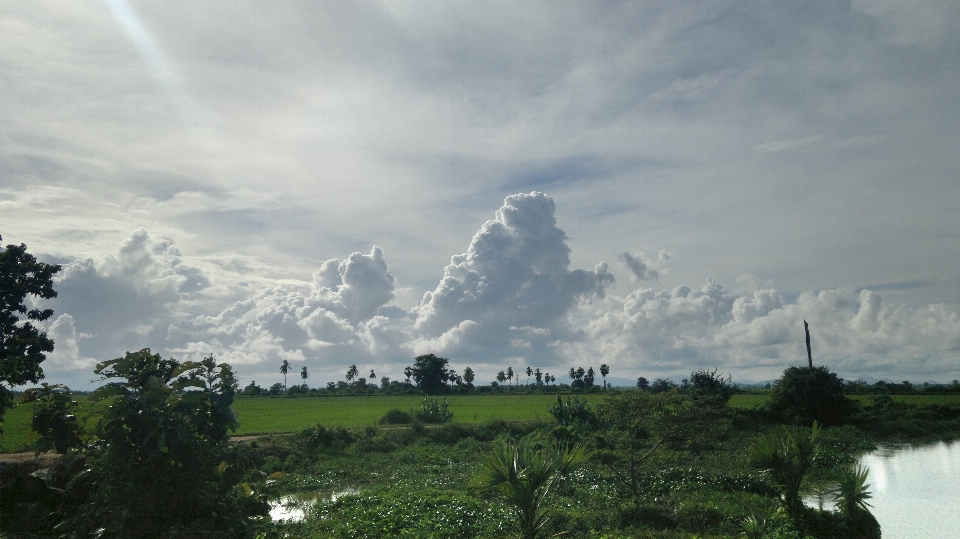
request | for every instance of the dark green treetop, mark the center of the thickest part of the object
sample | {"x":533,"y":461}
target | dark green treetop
{"x":430,"y":373}
{"x":22,"y":345}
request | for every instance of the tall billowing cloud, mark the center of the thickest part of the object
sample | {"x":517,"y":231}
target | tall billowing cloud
{"x":508,"y":294}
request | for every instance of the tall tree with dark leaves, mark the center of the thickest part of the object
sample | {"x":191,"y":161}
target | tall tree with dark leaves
{"x":430,"y":373}
{"x":22,"y":345}
{"x":284,"y":369}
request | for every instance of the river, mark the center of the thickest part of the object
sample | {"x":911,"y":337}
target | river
{"x":916,"y":490}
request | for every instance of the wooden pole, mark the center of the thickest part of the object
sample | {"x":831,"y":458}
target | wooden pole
{"x":806,"y":330}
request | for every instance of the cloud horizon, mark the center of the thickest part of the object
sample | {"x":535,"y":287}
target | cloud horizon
{"x":509,"y":300}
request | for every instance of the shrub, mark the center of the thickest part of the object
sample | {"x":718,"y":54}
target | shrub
{"x":433,"y":411}
{"x":395,"y":416}
{"x":322,"y":437}
{"x":709,"y":389}
{"x":803,"y":396}
{"x":160,"y":464}
{"x":575,"y":411}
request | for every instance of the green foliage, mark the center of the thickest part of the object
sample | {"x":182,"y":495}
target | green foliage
{"x":803,"y":396}
{"x":660,"y":385}
{"x":430,"y":373}
{"x":22,"y":345}
{"x":54,"y":418}
{"x":851,"y":491}
{"x":786,"y":456}
{"x":160,"y":464}
{"x":574,"y":411}
{"x":395,"y":416}
{"x":709,"y":389}
{"x":317,"y":437}
{"x":433,"y":411}
{"x":526,"y":476}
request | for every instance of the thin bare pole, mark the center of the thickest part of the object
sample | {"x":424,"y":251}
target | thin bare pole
{"x":806,"y":330}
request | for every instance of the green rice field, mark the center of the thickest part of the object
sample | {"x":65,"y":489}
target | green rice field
{"x":269,"y":415}
{"x":261,"y":415}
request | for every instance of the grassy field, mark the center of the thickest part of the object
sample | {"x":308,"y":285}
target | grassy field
{"x":16,"y":435}
{"x":259,"y":415}
{"x":265,"y":415}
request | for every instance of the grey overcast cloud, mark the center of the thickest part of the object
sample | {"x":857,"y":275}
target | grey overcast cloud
{"x":660,"y":186}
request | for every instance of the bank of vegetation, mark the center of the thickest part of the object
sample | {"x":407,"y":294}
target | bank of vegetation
{"x":151,"y":458}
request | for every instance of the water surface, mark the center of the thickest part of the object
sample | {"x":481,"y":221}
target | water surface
{"x":916,"y":490}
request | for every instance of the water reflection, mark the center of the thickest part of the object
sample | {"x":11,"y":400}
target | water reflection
{"x":916,"y":490}
{"x":294,"y":507}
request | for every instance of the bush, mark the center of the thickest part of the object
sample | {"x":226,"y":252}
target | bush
{"x":575,"y":411}
{"x":709,"y":389}
{"x":395,"y":416}
{"x":433,"y":412}
{"x":314,"y":438}
{"x":802,"y":396}
{"x":160,"y":463}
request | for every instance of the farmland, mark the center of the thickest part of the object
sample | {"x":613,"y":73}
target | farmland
{"x":275,"y":415}
{"x":265,"y":415}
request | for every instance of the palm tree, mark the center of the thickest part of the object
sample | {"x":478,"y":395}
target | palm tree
{"x":851,"y":490}
{"x":573,"y":373}
{"x":537,"y":375}
{"x":501,"y":377}
{"x":284,"y":368}
{"x":304,"y":374}
{"x":852,"y":494}
{"x":604,"y":371}
{"x":468,"y":375}
{"x":352,"y":373}
{"x":372,"y":375}
{"x":529,"y":372}
{"x":786,"y":457}
{"x":510,"y":373}
{"x":526,"y":475}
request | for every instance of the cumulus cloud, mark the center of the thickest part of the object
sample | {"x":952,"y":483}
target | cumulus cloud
{"x":125,"y":300}
{"x":651,"y":331}
{"x":329,"y":322}
{"x":66,"y":353}
{"x":510,"y":298}
{"x":515,"y":273}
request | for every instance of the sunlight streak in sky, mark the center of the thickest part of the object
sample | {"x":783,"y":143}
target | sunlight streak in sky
{"x":151,"y":54}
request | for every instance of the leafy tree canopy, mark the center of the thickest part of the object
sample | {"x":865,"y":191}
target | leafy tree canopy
{"x":707,"y":388}
{"x":22,"y":346}
{"x":430,"y":373}
{"x":803,"y":395}
{"x":160,"y":460}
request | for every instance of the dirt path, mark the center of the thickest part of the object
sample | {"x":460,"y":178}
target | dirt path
{"x":51,"y":456}
{"x":27,"y":457}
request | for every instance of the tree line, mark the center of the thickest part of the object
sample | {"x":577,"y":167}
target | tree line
{"x":432,"y":375}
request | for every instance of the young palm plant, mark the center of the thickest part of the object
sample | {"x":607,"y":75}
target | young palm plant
{"x":526,"y":475}
{"x":756,"y":526}
{"x":786,"y":458}
{"x":852,"y":494}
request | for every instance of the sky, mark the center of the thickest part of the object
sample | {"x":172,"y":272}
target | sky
{"x":660,"y":187}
